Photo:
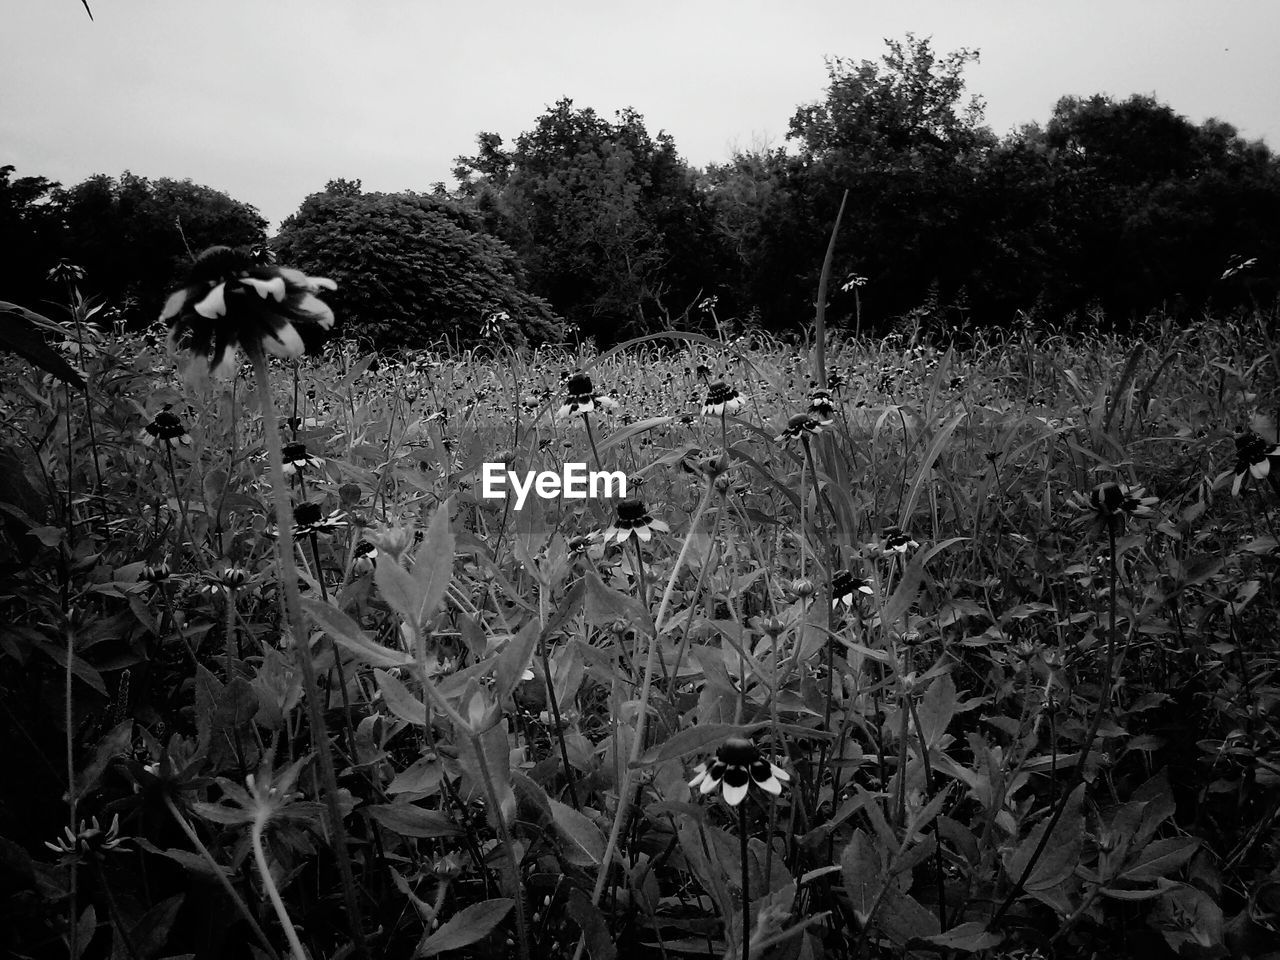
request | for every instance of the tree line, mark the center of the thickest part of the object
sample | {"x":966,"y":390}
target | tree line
{"x":1108,"y":212}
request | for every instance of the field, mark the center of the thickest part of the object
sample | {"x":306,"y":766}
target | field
{"x":972,"y":654}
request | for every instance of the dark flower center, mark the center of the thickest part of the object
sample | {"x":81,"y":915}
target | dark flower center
{"x":306,"y":513}
{"x":579,"y":386}
{"x":295,"y":452}
{"x":738,"y":752}
{"x":632,"y":512}
{"x":720,"y":392}
{"x":1251,"y":448}
{"x":1107,"y":497}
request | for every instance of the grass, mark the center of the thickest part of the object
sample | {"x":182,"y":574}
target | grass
{"x":1037,"y":729}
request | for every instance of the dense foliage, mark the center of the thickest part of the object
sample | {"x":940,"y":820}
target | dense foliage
{"x":412,"y":268}
{"x":943,"y":677}
{"x":1108,"y":212}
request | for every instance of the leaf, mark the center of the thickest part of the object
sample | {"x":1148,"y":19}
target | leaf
{"x":591,"y":922}
{"x":922,"y":473}
{"x":967,"y":937}
{"x":411,"y":821}
{"x":466,"y":927}
{"x":400,"y":591}
{"x":152,"y":931}
{"x":399,"y":700}
{"x":345,"y":631}
{"x":692,"y":739}
{"x":581,"y":841}
{"x":1060,"y":855}
{"x":514,"y":660}
{"x":1161,"y":858}
{"x":116,"y":742}
{"x":19,"y":333}
{"x":433,"y":564}
{"x":861,"y":870}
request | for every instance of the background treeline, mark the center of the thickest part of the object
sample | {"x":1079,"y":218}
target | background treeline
{"x":1110,"y":211}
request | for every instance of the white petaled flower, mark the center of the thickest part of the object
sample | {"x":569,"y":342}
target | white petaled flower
{"x":820,"y":404}
{"x":845,"y":587}
{"x":802,"y":425}
{"x":231,"y":303}
{"x":297,"y":458}
{"x":897,"y":540}
{"x":633,"y":519}
{"x":721,"y":400}
{"x":581,"y":397}
{"x":89,"y":838}
{"x":738,"y":765}
{"x":1254,"y":457}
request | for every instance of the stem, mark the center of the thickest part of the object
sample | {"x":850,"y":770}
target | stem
{"x":555,"y":718}
{"x":269,"y":885}
{"x":71,"y":789}
{"x":302,"y":648}
{"x":522,"y":929}
{"x":746,"y":881}
{"x":222,"y":877}
{"x":637,"y":744}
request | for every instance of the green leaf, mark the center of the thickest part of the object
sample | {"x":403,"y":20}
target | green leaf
{"x":433,"y":564}
{"x":465,"y":927}
{"x":345,"y":631}
{"x":410,"y":821}
{"x":114,"y":744}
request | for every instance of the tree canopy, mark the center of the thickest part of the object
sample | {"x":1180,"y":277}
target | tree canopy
{"x":411,"y":268}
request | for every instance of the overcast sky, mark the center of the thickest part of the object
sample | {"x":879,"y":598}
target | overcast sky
{"x":269,"y":99}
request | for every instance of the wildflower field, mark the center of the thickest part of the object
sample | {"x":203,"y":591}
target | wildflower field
{"x":914,"y":650}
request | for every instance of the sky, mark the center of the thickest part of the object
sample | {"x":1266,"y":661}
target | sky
{"x":270,"y":99}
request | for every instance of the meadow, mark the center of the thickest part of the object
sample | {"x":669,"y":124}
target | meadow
{"x":971,"y":652}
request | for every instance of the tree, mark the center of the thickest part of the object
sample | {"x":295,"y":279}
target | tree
{"x":411,"y":268}
{"x":30,"y":235}
{"x":136,"y":238}
{"x":607,"y":219}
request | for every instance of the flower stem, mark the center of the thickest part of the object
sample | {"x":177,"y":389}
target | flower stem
{"x":221,"y":875}
{"x":522,"y":929}
{"x":746,"y":881}
{"x":260,"y":858}
{"x":302,"y":649}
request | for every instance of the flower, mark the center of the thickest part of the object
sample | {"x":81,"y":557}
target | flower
{"x":365,"y":559}
{"x":229,"y":579}
{"x":1253,"y":457}
{"x":821,"y":404}
{"x":89,"y":838}
{"x":296,"y":458}
{"x":1109,"y":504}
{"x":231,"y":303}
{"x":721,"y":399}
{"x":166,"y":426}
{"x":158,"y":573}
{"x":896,"y":540}
{"x":738,"y":765}
{"x":309,"y":518}
{"x":633,"y":518}
{"x":802,"y":425}
{"x":844,"y":585}
{"x":582,"y":398}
